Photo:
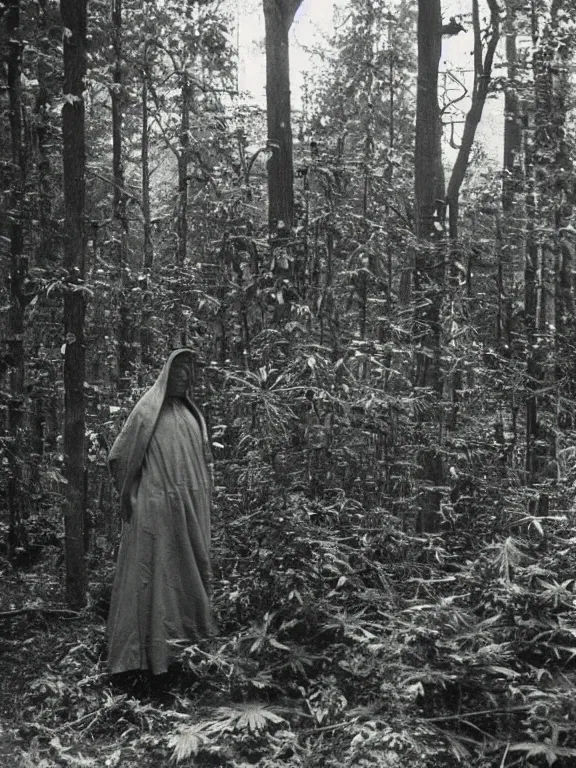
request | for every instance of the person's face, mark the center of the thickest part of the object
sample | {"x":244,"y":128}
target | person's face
{"x":179,"y":378}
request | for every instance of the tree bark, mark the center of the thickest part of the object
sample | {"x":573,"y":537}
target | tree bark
{"x":119,"y":215}
{"x":16,"y":283}
{"x":45,"y":248}
{"x":512,"y":177}
{"x":278,"y":18}
{"x":511,"y":184}
{"x":145,"y":331}
{"x":145,"y":162}
{"x":183,"y":161}
{"x":117,"y":103}
{"x":429,"y":257}
{"x":554,"y":183}
{"x":429,"y":271}
{"x":544,"y":156}
{"x":73,"y":14}
{"x":533,"y":373}
{"x":427,"y":118}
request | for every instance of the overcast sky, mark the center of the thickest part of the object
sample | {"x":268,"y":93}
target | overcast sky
{"x":313,"y":23}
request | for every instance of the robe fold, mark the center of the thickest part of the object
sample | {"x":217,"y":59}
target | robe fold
{"x":161,"y":588}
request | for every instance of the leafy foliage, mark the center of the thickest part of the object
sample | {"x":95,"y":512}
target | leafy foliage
{"x":347,"y":635}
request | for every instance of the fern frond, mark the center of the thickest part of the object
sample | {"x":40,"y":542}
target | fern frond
{"x":508,"y":558}
{"x":253,"y":716}
{"x":188,"y":742}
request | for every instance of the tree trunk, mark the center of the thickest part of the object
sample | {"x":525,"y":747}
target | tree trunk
{"x":45,"y":248}
{"x":119,"y":216}
{"x":117,"y":103}
{"x":545,"y":140}
{"x":512,"y":176}
{"x":278,"y":18}
{"x":183,"y":160}
{"x":145,"y":331}
{"x":16,"y":281}
{"x":145,"y":162}
{"x":73,"y":13}
{"x":533,"y":342}
{"x":533,"y":373}
{"x":511,"y":184}
{"x":549,"y":201}
{"x":565,"y":335}
{"x":427,"y":119}
{"x":555,"y":184}
{"x":429,"y":269}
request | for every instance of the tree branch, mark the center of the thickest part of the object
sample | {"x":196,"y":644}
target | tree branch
{"x":122,"y":189}
{"x":458,"y":98}
{"x":482,"y":75}
{"x":478,"y":67}
{"x":63,"y":612}
{"x":156,"y":119}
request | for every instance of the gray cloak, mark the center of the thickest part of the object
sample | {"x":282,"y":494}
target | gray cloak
{"x":161,"y":466}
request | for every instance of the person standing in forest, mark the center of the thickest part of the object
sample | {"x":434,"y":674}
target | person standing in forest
{"x":161,"y":466}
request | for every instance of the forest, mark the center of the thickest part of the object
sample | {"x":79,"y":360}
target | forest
{"x":384,"y":333}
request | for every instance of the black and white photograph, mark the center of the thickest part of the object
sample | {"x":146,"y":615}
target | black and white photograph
{"x":288,"y":384}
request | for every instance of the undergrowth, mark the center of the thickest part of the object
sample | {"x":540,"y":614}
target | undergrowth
{"x":343,"y":641}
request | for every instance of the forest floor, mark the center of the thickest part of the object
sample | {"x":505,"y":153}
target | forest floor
{"x":335,"y":650}
{"x":58,"y":705}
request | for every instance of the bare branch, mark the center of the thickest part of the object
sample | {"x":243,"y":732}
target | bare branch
{"x":65,"y":613}
{"x":483,"y":73}
{"x":156,"y":119}
{"x":112,"y":183}
{"x":458,"y":98}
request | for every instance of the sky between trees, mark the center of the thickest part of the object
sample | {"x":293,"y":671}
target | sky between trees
{"x":315,"y":23}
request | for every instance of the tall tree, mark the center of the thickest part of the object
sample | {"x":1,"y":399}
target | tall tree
{"x":145,"y":165}
{"x":550,"y":202}
{"x":73,"y":14}
{"x":117,"y":102}
{"x":534,"y":345}
{"x":187,"y":47}
{"x":512,"y":127}
{"x":278,"y":18}
{"x":183,"y":164}
{"x":42,"y":125}
{"x":16,"y":277}
{"x":511,"y":180}
{"x":148,"y":260}
{"x":119,"y":213}
{"x":429,"y":270}
{"x":553,"y":167}
{"x":427,"y":176}
{"x":563,"y":189}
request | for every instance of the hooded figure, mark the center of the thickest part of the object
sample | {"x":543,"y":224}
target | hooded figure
{"x":161,"y":467}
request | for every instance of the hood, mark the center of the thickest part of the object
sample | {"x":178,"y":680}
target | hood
{"x":127,"y":453}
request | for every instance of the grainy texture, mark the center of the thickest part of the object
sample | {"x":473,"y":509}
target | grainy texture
{"x":161,"y":589}
{"x":161,"y":465}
